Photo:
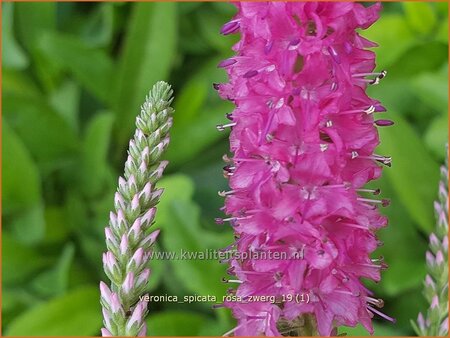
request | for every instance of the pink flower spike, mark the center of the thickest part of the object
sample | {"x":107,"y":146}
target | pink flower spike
{"x":430,"y":258}
{"x":128,"y":240}
{"x":113,"y":219}
{"x":384,"y":123}
{"x":435,"y":321}
{"x":143,"y":277}
{"x":118,"y":200}
{"x":128,"y":283}
{"x":421,"y":321}
{"x":121,"y":219}
{"x":116,"y":307}
{"x":135,"y":202}
{"x":226,"y":63}
{"x":107,"y":318}
{"x":230,"y":27}
{"x":434,"y":241}
{"x":156,"y":195}
{"x":124,"y":244}
{"x":135,"y":229}
{"x":429,"y":282}
{"x":302,"y":141}
{"x":143,"y":331}
{"x":138,"y":315}
{"x":138,"y":257}
{"x":439,"y":258}
{"x":443,"y":328}
{"x":146,"y":192}
{"x":109,"y":260}
{"x":110,"y":236}
{"x":147,"y":218}
{"x":150,"y":239}
{"x":131,"y":184}
{"x":379,"y":108}
{"x":105,"y":292}
{"x":122,"y":183}
{"x":106,"y":333}
{"x":434,"y":302}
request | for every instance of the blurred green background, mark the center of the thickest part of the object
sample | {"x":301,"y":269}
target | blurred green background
{"x":74,"y":76}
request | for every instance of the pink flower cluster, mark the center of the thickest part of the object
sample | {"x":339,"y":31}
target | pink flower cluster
{"x":303,"y":139}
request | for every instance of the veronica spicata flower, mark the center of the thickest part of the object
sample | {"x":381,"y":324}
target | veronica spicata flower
{"x":435,"y":320}
{"x":128,"y":237}
{"x":303,"y":135}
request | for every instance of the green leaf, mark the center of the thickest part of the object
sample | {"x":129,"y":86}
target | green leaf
{"x":99,"y":29}
{"x":28,"y":226}
{"x":190,"y":41}
{"x":13,"y":55}
{"x":21,"y":188}
{"x":198,"y":94}
{"x":420,"y":16}
{"x":216,"y":327}
{"x":414,"y":174}
{"x":201,"y":133}
{"x":101,"y":206}
{"x":147,"y":57}
{"x":33,"y":19}
{"x":175,"y":323}
{"x":16,"y":299}
{"x":19,"y":261}
{"x":386,"y":329}
{"x":56,"y":229}
{"x":77,"y":313}
{"x":436,"y":136}
{"x":208,"y":182}
{"x":76,"y":212}
{"x":92,"y":67}
{"x":94,"y":166}
{"x":393,"y":36}
{"x":197,"y":122}
{"x":403,"y":101}
{"x":80,"y":274}
{"x":93,"y":247}
{"x":405,"y":307}
{"x":45,"y":133}
{"x":190,"y":100}
{"x":65,"y":101}
{"x":182,"y":232}
{"x":16,"y":82}
{"x":432,"y":88}
{"x":188,"y":7}
{"x":442,"y":8}
{"x":210,"y":21}
{"x":226,"y":8}
{"x":397,"y":250}
{"x":179,"y":187}
{"x":157,"y":270}
{"x":419,"y":59}
{"x":79,"y":220}
{"x":54,"y":282}
{"x":442,"y":34}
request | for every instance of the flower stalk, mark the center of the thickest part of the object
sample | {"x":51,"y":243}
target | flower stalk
{"x":435,"y":321}
{"x":129,"y":237}
{"x":303,"y":136}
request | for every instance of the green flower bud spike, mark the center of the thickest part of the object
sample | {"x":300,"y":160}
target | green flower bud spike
{"x":435,"y":321}
{"x":128,"y":237}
